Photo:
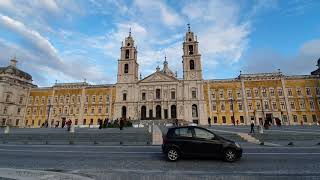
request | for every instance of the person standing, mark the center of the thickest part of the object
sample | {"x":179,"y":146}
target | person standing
{"x":237,"y":122}
{"x":100,"y":123}
{"x":209,"y":121}
{"x":121,"y":123}
{"x":252,"y":127}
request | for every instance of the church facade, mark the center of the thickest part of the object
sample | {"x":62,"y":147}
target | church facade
{"x":163,"y":96}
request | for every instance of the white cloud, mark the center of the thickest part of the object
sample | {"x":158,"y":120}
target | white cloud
{"x":266,"y":60}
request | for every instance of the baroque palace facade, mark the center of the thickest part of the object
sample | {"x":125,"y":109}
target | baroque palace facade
{"x":162,"y":95}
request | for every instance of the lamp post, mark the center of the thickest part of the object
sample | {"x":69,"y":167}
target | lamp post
{"x":232,"y":108}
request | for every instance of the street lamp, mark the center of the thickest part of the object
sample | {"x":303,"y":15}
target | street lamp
{"x":232,"y":108}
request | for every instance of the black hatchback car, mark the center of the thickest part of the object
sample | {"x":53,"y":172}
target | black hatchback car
{"x":197,"y":141}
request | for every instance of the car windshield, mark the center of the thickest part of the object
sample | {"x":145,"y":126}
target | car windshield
{"x":203,"y":134}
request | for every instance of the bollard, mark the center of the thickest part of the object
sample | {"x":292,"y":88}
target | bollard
{"x":72,"y":129}
{"x":7,"y":130}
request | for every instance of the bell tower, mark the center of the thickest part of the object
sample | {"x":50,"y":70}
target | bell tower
{"x":127,"y":64}
{"x":191,"y":58}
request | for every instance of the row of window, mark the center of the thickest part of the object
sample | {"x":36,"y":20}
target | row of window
{"x":5,"y":122}
{"x":69,"y":99}
{"x":266,"y":105}
{"x":264,"y":92}
{"x":68,"y":111}
{"x":8,"y":98}
{"x":5,"y":110}
{"x":158,"y":95}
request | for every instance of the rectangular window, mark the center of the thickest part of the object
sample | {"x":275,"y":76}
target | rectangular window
{"x":108,"y":98}
{"x":274,"y":105}
{"x":280,"y":92}
{"x":214,"y":106}
{"x":266,"y":105}
{"x":21,"y":100}
{"x":84,"y":122}
{"x":100,"y":110}
{"x":238,"y":94}
{"x":213,"y":94}
{"x":18,"y":111}
{"x":143,"y":96}
{"x":221,"y":94}
{"x":87,"y":98}
{"x":299,"y":92}
{"x":79,"y":99}
{"x":93,"y":99}
{"x":158,"y":92}
{"x":318,"y":91}
{"x":282,"y":105}
{"x":241,"y":120}
{"x":314,"y":118}
{"x":264,"y":92}
{"x":302,"y":104}
{"x":250,"y":105}
{"x":289,"y":92}
{"x":256,"y":93}
{"x":124,"y":96}
{"x":308,"y":91}
{"x":248,"y":93}
{"x":311,"y":103}
{"x":305,"y":119}
{"x":173,"y":95}
{"x":100,"y":98}
{"x":292,"y":105}
{"x":284,"y":118}
{"x":194,"y":94}
{"x":224,"y":120}
{"x":240,"y":106}
{"x":215,"y":119}
{"x":230,"y":94}
{"x":258,"y":105}
{"x":43,"y":99}
{"x":295,"y":118}
{"x":190,"y":49}
{"x":92,"y":110}
{"x":223,"y":107}
{"x":272,"y":92}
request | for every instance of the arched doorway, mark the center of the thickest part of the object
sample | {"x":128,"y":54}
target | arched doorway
{"x":124,"y":112}
{"x":158,"y":112}
{"x":194,"y":111}
{"x":173,"y":111}
{"x":143,"y":112}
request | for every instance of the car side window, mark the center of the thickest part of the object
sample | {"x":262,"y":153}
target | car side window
{"x":183,"y":132}
{"x":203,"y":134}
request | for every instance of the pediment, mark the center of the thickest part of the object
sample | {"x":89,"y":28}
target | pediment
{"x":158,"y":77}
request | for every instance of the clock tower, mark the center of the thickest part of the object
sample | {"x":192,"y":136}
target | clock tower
{"x":192,"y":69}
{"x":127,"y":64}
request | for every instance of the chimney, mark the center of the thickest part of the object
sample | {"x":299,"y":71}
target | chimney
{"x":13,"y":62}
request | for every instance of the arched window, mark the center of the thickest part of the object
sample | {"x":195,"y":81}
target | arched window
{"x":127,"y":54}
{"x":190,"y":49}
{"x":191,"y":64}
{"x":126,"y":68}
{"x":194,"y":110}
{"x":143,"y":112}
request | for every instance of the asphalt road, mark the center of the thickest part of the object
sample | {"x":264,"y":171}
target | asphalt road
{"x":147,"y":162}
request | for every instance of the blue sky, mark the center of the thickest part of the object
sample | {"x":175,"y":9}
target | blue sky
{"x":70,"y":41}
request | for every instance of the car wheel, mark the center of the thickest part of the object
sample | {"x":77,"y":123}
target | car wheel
{"x":230,"y":155}
{"x":173,"y":154}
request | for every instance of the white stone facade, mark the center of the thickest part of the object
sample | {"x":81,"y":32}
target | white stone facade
{"x":161,"y":95}
{"x":15,"y":86}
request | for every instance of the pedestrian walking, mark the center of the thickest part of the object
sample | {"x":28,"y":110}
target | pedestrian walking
{"x":252,"y":127}
{"x":233,"y":122}
{"x":69,"y":124}
{"x":121,"y":123}
{"x":100,"y":123}
{"x":237,"y":122}
{"x":209,"y":121}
